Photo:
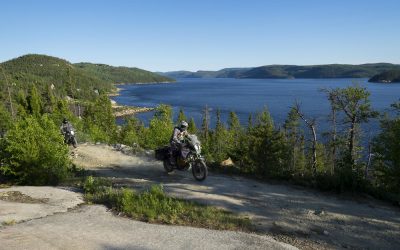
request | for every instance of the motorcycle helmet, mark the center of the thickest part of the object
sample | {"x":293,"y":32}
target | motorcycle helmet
{"x":65,"y":120}
{"x":184,"y":125}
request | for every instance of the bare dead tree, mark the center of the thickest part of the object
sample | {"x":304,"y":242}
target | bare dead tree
{"x":311,"y":124}
{"x":205,"y":123}
{"x":369,"y":157}
{"x":331,"y":98}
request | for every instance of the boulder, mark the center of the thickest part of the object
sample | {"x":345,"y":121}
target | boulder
{"x":227,"y":163}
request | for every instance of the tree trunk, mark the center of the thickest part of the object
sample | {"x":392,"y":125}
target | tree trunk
{"x":314,"y":148}
{"x":351,"y":141}
{"x":369,"y":159}
{"x":333,"y":140}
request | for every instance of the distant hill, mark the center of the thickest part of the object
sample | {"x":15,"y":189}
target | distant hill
{"x":387,"y":77}
{"x":81,"y":80}
{"x":178,"y":74}
{"x":294,"y":71}
{"x":47,"y":71}
{"x":122,"y":74}
{"x":319,"y":71}
{"x":223,"y":73}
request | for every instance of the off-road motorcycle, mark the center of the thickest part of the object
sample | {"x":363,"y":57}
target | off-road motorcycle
{"x":69,"y":138}
{"x":189,"y":157}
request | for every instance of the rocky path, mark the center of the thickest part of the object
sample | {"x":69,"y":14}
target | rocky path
{"x":93,"y":227}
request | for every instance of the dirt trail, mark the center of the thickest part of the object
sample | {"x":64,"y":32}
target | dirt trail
{"x":302,"y":217}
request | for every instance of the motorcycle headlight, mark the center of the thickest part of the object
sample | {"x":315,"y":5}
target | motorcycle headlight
{"x":197,"y":148}
{"x":72,"y":133}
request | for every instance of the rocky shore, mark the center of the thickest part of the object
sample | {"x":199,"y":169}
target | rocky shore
{"x":121,"y":111}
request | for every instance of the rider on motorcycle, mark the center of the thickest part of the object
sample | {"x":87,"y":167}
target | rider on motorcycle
{"x":176,"y":140}
{"x":66,"y":127}
{"x":66,"y":130}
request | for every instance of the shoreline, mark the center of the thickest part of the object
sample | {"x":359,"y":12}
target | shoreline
{"x":124,"y":110}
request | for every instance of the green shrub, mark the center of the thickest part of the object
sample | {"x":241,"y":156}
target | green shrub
{"x":132,"y":132}
{"x":160,"y":129}
{"x":99,"y":121}
{"x":34,"y":152}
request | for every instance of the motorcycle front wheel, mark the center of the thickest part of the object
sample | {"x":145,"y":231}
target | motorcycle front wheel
{"x":74,"y":142}
{"x":199,"y":170}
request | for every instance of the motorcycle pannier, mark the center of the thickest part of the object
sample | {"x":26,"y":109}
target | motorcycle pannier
{"x":161,"y":153}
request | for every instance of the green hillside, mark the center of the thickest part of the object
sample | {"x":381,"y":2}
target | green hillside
{"x":387,"y":77}
{"x":51,"y":72}
{"x":122,"y":74}
{"x":79,"y":81}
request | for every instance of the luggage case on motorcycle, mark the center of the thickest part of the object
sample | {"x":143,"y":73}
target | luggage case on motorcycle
{"x":161,"y":153}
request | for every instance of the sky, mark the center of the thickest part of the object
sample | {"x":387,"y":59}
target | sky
{"x":168,"y":35}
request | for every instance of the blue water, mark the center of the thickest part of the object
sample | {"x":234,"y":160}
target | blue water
{"x":248,"y":96}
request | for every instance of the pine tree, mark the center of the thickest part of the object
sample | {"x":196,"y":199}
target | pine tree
{"x":49,"y":100}
{"x":181,"y":116}
{"x":268,"y":150}
{"x":160,"y":128}
{"x":293,"y":137}
{"x":250,"y":122}
{"x":5,"y":120}
{"x":386,"y":151}
{"x":35,"y":102}
{"x":220,"y":139}
{"x":132,"y":132}
{"x":100,"y":121}
{"x":35,"y":152}
{"x":192,"y":129}
{"x":235,"y":135}
{"x":22,"y":103}
{"x":356,"y":108}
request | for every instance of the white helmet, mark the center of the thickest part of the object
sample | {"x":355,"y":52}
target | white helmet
{"x":184,"y":124}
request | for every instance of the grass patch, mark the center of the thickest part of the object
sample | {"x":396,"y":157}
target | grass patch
{"x":17,"y":196}
{"x":155,"y":206}
{"x":4,"y":185}
{"x":8,"y":222}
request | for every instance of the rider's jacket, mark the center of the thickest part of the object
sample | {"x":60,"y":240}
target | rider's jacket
{"x":177,"y":135}
{"x":65,"y":128}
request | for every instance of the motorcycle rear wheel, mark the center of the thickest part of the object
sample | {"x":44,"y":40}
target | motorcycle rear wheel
{"x":167,"y":166}
{"x":199,"y":170}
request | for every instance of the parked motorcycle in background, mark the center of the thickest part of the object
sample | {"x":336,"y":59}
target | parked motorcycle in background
{"x":188,"y":158}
